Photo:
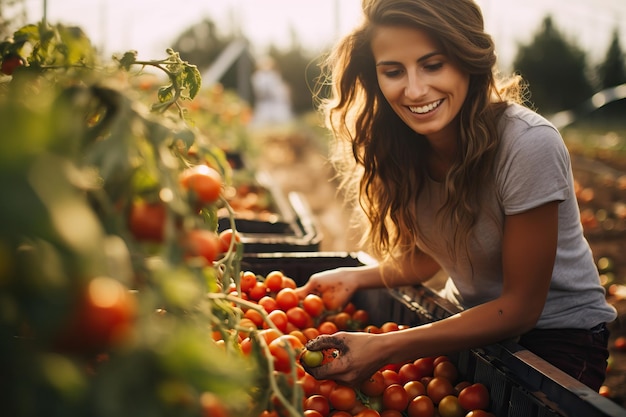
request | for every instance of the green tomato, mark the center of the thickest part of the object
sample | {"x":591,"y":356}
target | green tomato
{"x":312,"y":358}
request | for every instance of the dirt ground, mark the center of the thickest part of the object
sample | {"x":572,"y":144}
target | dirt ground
{"x":298,"y":165}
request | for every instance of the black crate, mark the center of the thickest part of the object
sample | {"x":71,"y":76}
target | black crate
{"x":520,"y":383}
{"x":293,"y":229}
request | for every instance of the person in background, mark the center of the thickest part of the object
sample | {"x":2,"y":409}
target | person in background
{"x":454,"y":173}
{"x":272,"y":98}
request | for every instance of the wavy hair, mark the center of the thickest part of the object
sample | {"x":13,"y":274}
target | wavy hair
{"x":382,"y":162}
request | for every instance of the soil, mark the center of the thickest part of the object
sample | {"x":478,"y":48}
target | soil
{"x":300,"y":165}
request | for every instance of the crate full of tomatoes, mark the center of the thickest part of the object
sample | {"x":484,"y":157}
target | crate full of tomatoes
{"x":497,"y":380}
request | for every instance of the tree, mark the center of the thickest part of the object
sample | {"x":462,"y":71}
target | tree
{"x":555,"y":70}
{"x":612,"y":71}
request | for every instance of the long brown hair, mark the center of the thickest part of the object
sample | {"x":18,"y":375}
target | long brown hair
{"x":385,"y":161}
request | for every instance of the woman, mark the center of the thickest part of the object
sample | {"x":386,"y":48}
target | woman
{"x":453,"y":173}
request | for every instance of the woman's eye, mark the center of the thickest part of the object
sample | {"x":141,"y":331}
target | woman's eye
{"x":433,"y":67}
{"x":392,"y":73}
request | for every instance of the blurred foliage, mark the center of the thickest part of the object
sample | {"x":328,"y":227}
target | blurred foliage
{"x":80,"y":144}
{"x":12,"y":16}
{"x":555,"y":69}
{"x":612,"y":71}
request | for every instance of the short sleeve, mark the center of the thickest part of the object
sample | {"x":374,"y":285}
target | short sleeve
{"x":533,"y":168}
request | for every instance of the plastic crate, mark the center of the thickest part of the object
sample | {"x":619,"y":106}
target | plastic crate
{"x":521,"y":384}
{"x":293,"y":230}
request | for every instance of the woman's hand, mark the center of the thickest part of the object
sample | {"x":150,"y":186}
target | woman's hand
{"x":359,"y":356}
{"x":335,"y":286}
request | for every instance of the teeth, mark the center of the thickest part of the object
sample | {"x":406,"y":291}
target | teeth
{"x":427,"y":108}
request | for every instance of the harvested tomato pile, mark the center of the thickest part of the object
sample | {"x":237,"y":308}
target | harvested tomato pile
{"x":275,"y":319}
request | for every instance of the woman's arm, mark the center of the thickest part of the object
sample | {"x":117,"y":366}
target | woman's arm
{"x":338,"y":285}
{"x":529,"y":250}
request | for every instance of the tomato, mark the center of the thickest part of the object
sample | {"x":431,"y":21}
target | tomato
{"x":421,"y":406}
{"x":474,"y":397}
{"x":312,"y":413}
{"x":449,"y":407}
{"x":247,"y":281}
{"x":310,"y":333}
{"x":374,"y":385}
{"x":312,"y":358}
{"x":274,"y":281}
{"x":146,"y":221}
{"x":620,"y":343}
{"x":269,"y":335}
{"x":299,"y":317}
{"x":289,"y":283}
{"x":205,"y":182}
{"x":409,"y":372}
{"x":258,"y":291}
{"x":280,"y":320}
{"x":361,"y":318}
{"x":327,"y":327}
{"x":212,"y":405}
{"x":439,"y":387}
{"x":391,"y":377}
{"x":389,"y":326}
{"x":395,"y":397}
{"x":226,"y":237}
{"x":313,"y":305}
{"x":326,"y":386}
{"x":299,"y":335}
{"x":414,"y":389}
{"x":103,"y":317}
{"x":339,"y":413}
{"x":10,"y":63}
{"x":425,"y":365}
{"x":287,"y":298}
{"x":285,"y":349}
{"x":268,"y":303}
{"x":459,"y":387}
{"x":318,"y":403}
{"x":202,"y":243}
{"x":441,"y":358}
{"x":342,"y":397}
{"x":446,"y":369}
{"x":255,"y":316}
{"x":342,"y":320}
{"x":309,"y":384}
{"x":370,"y":328}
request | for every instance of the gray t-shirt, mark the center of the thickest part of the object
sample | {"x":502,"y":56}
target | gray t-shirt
{"x":532,"y":168}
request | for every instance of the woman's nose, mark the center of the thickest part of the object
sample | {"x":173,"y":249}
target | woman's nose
{"x":415,"y":87}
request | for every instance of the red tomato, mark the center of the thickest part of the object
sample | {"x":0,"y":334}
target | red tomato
{"x":414,"y":389}
{"x":391,"y":377}
{"x":368,"y":412}
{"x":439,"y":387}
{"x":446,"y":369}
{"x":212,"y":405}
{"x":389,"y":326}
{"x":313,"y":305}
{"x":226,"y":237}
{"x":280,"y":320}
{"x":342,"y":320}
{"x":309,"y":385}
{"x":287,"y":298}
{"x":268,"y":303}
{"x":474,"y":397}
{"x":10,"y":63}
{"x":374,"y":385}
{"x":103,"y":317}
{"x":361,"y":318}
{"x":146,"y":221}
{"x":409,"y":372}
{"x":327,"y":327}
{"x":255,"y":316}
{"x":395,"y":397}
{"x":620,"y":343}
{"x":326,"y":386}
{"x":299,"y":317}
{"x":285,"y":349}
{"x":318,"y":403}
{"x":258,"y":291}
{"x":425,"y":366}
{"x":312,"y":413}
{"x":342,"y":397}
{"x":479,"y":413}
{"x":310,"y":333}
{"x":205,"y":182}
{"x":247,"y":281}
{"x":274,"y":281}
{"x":202,"y":243}
{"x":421,"y":406}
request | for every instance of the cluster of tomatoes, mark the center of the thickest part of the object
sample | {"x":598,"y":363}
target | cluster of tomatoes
{"x":426,"y":387}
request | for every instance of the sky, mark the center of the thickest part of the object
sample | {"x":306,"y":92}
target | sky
{"x":150,"y":26}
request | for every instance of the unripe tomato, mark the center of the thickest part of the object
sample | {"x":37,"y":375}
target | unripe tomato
{"x":10,"y":63}
{"x":103,"y":317}
{"x":205,"y":182}
{"x":312,"y":358}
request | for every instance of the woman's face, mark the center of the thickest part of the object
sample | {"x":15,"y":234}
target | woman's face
{"x":420,"y":83}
